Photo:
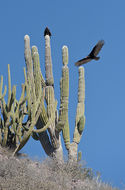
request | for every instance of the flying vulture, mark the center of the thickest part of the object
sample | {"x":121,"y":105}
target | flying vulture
{"x":47,"y":32}
{"x":93,"y":54}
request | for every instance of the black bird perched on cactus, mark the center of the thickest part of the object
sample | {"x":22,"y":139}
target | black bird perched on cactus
{"x":47,"y":32}
{"x":93,"y":54}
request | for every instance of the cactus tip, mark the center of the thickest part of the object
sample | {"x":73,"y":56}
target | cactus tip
{"x":34,"y":49}
{"x":26,"y":37}
{"x":64,"y":47}
{"x":65,"y":55}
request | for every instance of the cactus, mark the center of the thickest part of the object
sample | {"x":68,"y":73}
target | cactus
{"x":37,"y":106}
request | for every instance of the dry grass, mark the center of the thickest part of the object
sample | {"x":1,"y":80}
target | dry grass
{"x":25,"y":174}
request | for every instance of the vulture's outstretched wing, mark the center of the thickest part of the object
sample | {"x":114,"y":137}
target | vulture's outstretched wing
{"x":92,"y":54}
{"x":96,"y":49}
{"x":83,"y":61}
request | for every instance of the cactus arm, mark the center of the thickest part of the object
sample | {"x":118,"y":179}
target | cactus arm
{"x":44,"y":128}
{"x":80,"y":118}
{"x":27,"y":135}
{"x":22,"y":98}
{"x":13,"y":97}
{"x":41,"y":129}
{"x":37,"y":80}
{"x":19,"y":133}
{"x":48,"y":62}
{"x":51,"y":109}
{"x":15,"y":111}
{"x":1,"y":87}
{"x":36,"y":71}
{"x":25,"y":77}
{"x":36,"y":64}
{"x":63,"y":122}
{"x":50,"y":100}
{"x":28,"y":98}
{"x":2,"y":102}
{"x":9,"y":88}
{"x":29,"y":69}
{"x":49,"y":123}
{"x":18,"y":115}
{"x":22,"y":143}
{"x":43,"y":137}
{"x":43,"y":81}
{"x":11,"y":94}
{"x":43,"y":115}
{"x":28,"y":59}
{"x":6,"y":111}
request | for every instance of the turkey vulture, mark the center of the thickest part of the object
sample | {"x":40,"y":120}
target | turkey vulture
{"x":47,"y":32}
{"x":92,"y":54}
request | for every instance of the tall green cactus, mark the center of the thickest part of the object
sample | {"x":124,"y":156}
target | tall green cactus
{"x":64,"y":96}
{"x":38,"y":103}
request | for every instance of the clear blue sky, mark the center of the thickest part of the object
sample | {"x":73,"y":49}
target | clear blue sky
{"x":79,"y":25}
